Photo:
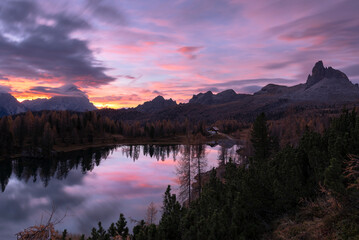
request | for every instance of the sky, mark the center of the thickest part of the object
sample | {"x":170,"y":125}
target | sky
{"x":122,"y":53}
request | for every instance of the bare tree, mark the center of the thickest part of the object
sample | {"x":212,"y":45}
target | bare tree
{"x":43,"y":231}
{"x":151,"y":213}
{"x":199,"y":165}
{"x":184,"y":172}
{"x":189,"y":170}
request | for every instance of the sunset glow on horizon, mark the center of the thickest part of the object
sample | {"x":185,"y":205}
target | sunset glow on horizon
{"x":122,"y":53}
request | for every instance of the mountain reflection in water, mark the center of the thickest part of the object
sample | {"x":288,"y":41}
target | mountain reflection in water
{"x":93,"y":185}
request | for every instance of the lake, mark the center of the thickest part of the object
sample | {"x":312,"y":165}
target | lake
{"x":96,"y":184}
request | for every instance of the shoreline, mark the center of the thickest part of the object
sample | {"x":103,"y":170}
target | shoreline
{"x":113,"y":141}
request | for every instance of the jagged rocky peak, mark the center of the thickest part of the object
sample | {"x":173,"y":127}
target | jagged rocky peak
{"x":229,"y":92}
{"x":159,"y":98}
{"x":209,"y":98}
{"x":320,"y":72}
{"x":157,"y":104}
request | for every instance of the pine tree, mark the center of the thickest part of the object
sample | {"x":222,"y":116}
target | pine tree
{"x":121,"y":228}
{"x":170,"y":221}
{"x":112,"y":230}
{"x":333,"y":176}
{"x":260,"y":138}
{"x":64,"y":234}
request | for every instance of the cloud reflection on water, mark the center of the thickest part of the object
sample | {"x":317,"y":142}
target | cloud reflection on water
{"x":126,"y":182}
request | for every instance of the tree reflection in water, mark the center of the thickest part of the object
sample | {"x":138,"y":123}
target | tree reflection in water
{"x":55,"y":167}
{"x":191,"y":164}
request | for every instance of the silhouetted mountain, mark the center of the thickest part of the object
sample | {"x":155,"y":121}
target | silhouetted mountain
{"x":77,"y":104}
{"x":157,"y":104}
{"x":209,"y":98}
{"x":324,"y":85}
{"x":319,"y":72}
{"x":326,"y":88}
{"x":9,"y":105}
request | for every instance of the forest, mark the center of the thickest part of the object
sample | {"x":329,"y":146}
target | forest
{"x":306,"y":191}
{"x":319,"y":175}
{"x":38,"y":134}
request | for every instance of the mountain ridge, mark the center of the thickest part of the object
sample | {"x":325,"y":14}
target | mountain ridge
{"x":10,"y":105}
{"x":71,"y":103}
{"x":324,"y":86}
{"x":157,"y":104}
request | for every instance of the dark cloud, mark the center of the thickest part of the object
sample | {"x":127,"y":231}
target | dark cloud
{"x":15,"y":14}
{"x":47,"y":51}
{"x":157,"y":92}
{"x":107,"y":11}
{"x":66,"y":90}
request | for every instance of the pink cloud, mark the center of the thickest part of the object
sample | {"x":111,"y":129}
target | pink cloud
{"x":189,"y":52}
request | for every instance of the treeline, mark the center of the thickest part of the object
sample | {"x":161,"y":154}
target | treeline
{"x":40,"y":132}
{"x":244,"y":204}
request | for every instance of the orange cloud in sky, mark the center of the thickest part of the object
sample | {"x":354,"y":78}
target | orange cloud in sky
{"x":174,"y":67}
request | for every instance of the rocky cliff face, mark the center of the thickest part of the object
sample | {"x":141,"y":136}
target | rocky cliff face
{"x":319,"y":72}
{"x":324,"y":85}
{"x":156,"y":105}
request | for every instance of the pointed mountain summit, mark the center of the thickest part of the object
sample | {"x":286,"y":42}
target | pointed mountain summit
{"x":155,"y":105}
{"x":319,"y":72}
{"x":324,"y":85}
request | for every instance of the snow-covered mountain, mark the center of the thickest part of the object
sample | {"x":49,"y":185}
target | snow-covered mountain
{"x":9,"y":105}
{"x":72,"y":103}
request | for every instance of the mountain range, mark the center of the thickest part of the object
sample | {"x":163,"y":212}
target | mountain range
{"x":324,"y":86}
{"x":9,"y":105}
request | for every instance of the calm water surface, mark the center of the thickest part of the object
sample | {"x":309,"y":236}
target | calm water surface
{"x":92,"y":185}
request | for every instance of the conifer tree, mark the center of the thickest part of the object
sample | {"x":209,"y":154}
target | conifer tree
{"x":170,"y":221}
{"x":121,"y":228}
{"x":260,"y":138}
{"x":333,"y":176}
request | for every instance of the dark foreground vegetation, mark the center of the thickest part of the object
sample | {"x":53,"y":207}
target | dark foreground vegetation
{"x":310,"y":191}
